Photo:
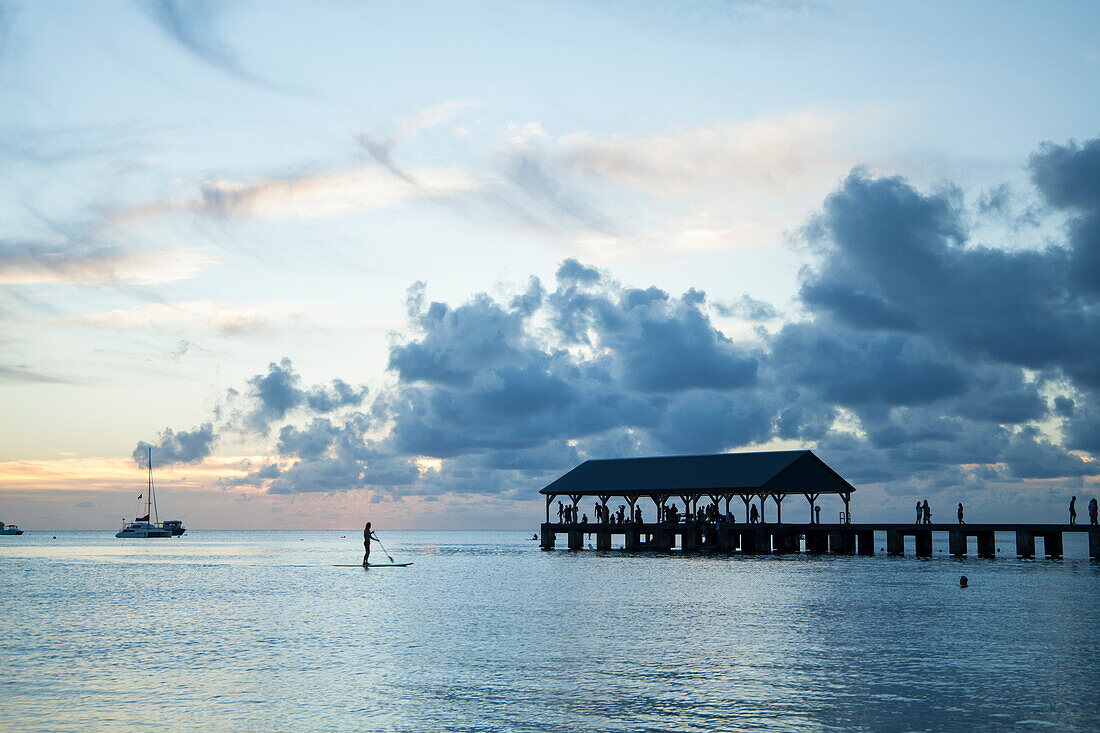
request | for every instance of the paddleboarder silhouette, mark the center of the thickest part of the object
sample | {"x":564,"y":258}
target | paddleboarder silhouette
{"x":368,"y":535}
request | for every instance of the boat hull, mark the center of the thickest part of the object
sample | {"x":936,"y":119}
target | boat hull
{"x":11,"y":531}
{"x":142,"y":530}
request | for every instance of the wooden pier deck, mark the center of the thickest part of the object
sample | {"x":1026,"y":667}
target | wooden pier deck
{"x":840,"y":539}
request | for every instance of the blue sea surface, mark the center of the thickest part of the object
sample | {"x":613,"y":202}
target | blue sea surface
{"x":484,"y":632}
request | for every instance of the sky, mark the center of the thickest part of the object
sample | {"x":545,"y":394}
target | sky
{"x":411,"y":262}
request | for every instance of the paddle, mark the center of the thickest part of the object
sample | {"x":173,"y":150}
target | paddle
{"x":383,"y":549}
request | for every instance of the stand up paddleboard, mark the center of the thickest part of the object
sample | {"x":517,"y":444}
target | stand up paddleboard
{"x":377,"y":565}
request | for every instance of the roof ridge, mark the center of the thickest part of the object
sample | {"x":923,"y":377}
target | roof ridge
{"x":702,"y":455}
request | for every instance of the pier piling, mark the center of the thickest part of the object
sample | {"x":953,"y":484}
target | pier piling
{"x":895,"y":542}
{"x":924,"y":543}
{"x":1025,"y":543}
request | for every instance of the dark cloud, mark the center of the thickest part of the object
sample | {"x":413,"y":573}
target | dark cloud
{"x":171,"y":448}
{"x":853,"y":368}
{"x":1069,"y":178}
{"x":1081,"y":421}
{"x":272,"y":396}
{"x":894,"y":259}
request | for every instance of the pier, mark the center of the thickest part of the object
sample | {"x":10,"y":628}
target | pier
{"x":815,"y":539}
{"x":707,"y":487}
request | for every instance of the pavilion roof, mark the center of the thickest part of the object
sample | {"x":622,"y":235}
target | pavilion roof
{"x":760,"y":472}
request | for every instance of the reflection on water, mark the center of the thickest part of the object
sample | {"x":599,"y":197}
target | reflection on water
{"x":256,"y":631}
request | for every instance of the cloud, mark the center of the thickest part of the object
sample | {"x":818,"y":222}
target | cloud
{"x":312,"y":196}
{"x":23,"y":374}
{"x":897,"y":260}
{"x":1069,"y":178}
{"x":381,"y":148}
{"x":171,"y":448}
{"x":778,"y":155}
{"x":224,"y":318}
{"x":38,"y":263}
{"x":272,"y":396}
{"x":191,"y":23}
{"x":920,"y":360}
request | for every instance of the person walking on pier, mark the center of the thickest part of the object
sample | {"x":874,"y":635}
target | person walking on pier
{"x":927,"y":511}
{"x":561,"y":512}
{"x":920,"y":512}
{"x":1092,"y":511}
{"x":1073,"y":510}
{"x":754,"y":515}
{"x":961,"y":513}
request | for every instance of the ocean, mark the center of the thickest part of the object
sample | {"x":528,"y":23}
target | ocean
{"x":257,"y":631}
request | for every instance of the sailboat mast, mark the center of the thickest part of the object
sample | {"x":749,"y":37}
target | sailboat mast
{"x":151,"y":498}
{"x":149,"y":484}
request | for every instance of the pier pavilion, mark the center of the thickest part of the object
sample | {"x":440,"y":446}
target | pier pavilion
{"x":754,"y":478}
{"x":757,"y":477}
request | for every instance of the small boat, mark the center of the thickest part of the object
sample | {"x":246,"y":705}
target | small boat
{"x":174,"y":526}
{"x":10,"y":529}
{"x":141,"y":527}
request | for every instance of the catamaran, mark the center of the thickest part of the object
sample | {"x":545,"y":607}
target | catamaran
{"x":142,"y":527}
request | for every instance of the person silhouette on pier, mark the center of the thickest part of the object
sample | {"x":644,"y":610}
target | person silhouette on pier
{"x":927,"y":511}
{"x":817,"y":513}
{"x":920,"y":512}
{"x":1092,"y":511}
{"x":961,"y":513}
{"x":561,"y":512}
{"x":754,"y":515}
{"x":1073,"y":510}
{"x":368,"y":535}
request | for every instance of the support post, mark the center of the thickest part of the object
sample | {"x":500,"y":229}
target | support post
{"x":753,"y":540}
{"x":987,"y":544}
{"x":842,"y":542}
{"x":725,"y":536}
{"x":689,"y":536}
{"x":661,"y":539}
{"x":603,"y":539}
{"x":547,"y":540}
{"x":1025,"y":544}
{"x":576,"y":538}
{"x":812,"y":498}
{"x":817,"y":542}
{"x":924,"y":542}
{"x":786,"y":540}
{"x":895,"y":542}
{"x":956,"y":540}
{"x":747,"y":499}
{"x":1094,"y":544}
{"x":847,"y":497}
{"x":778,"y":499}
{"x":1052,"y":545}
{"x":866,"y":538}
